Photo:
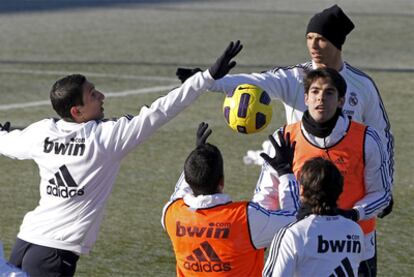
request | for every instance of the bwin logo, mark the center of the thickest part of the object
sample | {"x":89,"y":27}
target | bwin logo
{"x":57,"y":185}
{"x":205,"y":259}
{"x":75,"y":148}
{"x":351,"y":244}
{"x":214,"y":230}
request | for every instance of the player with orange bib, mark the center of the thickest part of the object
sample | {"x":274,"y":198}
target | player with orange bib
{"x":210,"y":234}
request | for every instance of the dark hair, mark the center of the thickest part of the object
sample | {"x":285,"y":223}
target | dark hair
{"x":203,"y":169}
{"x":333,"y":77}
{"x":322,"y":183}
{"x":66,"y":93}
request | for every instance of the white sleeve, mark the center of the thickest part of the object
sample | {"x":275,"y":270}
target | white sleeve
{"x":277,"y":83}
{"x":181,"y":189}
{"x":283,"y":255}
{"x":376,"y":117}
{"x":273,"y":192}
{"x":126,"y":133}
{"x":377,"y":179}
{"x":17,"y":144}
{"x":264,"y":224}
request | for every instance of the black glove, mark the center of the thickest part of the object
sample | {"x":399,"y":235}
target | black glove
{"x":283,"y":159}
{"x":5,"y":127}
{"x":387,"y":210}
{"x":223,"y":63}
{"x":202,"y":134}
{"x":185,"y":73}
{"x":352,"y":214}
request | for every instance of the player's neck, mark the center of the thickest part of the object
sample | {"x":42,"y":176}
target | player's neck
{"x":335,"y":64}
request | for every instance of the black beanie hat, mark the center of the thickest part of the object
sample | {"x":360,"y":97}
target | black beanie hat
{"x":333,"y":24}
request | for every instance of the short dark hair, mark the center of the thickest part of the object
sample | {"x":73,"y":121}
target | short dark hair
{"x":66,"y":93}
{"x":203,"y":169}
{"x":322,"y":183}
{"x":329,"y":74}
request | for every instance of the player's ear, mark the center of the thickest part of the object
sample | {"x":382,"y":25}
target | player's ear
{"x":75,"y":113}
{"x":341,"y":102}
{"x":306,"y":96}
{"x":220,"y":186}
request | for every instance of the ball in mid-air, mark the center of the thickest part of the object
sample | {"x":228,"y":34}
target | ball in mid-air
{"x":247,"y":109}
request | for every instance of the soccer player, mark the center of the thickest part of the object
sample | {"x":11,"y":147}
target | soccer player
{"x":211,"y":234}
{"x":79,"y":157}
{"x":321,"y":242}
{"x":355,"y":149}
{"x":325,"y":36}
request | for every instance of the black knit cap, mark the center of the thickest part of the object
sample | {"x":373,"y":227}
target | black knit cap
{"x":333,"y":24}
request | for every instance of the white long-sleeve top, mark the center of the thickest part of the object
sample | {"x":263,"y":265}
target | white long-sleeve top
{"x":78,"y":165}
{"x":377,"y":181}
{"x":362,"y":99}
{"x":316,"y":246}
{"x":263,"y":223}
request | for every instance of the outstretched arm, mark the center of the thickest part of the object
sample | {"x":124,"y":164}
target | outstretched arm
{"x":130,"y":131}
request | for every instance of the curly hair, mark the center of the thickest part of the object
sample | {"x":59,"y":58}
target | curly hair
{"x":322,"y":183}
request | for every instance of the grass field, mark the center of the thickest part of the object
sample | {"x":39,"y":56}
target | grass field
{"x":129,"y":45}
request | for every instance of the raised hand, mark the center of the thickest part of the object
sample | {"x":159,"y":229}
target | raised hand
{"x":202,"y":134}
{"x":224,"y":63}
{"x":283,"y":159}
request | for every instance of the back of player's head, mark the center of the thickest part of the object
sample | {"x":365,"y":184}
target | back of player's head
{"x":66,"y":93}
{"x":333,"y":24}
{"x":321,"y":184}
{"x":203,"y":169}
{"x":329,"y":74}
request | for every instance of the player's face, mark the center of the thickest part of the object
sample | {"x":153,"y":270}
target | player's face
{"x":322,"y":100}
{"x":322,"y":51}
{"x":92,"y":108}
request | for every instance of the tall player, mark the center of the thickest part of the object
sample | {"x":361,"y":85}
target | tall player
{"x":79,"y":157}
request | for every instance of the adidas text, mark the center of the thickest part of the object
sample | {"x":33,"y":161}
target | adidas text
{"x":207,"y":266}
{"x":63,"y":192}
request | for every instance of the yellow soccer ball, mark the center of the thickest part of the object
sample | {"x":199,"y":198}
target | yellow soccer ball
{"x":247,"y":109}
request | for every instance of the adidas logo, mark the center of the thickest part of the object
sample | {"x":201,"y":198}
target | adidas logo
{"x":63,"y":184}
{"x":350,"y":245}
{"x":344,"y":269}
{"x":205,"y":259}
{"x":76,"y":147}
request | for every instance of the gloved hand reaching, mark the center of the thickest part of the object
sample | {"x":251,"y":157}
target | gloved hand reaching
{"x":223,"y":64}
{"x":202,"y":134}
{"x":283,"y":159}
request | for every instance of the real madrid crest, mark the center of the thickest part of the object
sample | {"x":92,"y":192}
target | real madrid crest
{"x":353,"y":99}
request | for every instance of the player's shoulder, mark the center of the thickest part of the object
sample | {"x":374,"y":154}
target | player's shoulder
{"x":297,"y":69}
{"x":357,"y":74}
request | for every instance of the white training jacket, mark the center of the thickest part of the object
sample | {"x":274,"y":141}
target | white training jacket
{"x":78,"y":165}
{"x":263,"y":223}
{"x":362,"y":99}
{"x":377,"y":180}
{"x":316,"y":246}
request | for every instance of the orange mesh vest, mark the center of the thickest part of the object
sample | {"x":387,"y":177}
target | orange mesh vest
{"x":213,"y":241}
{"x":347,"y":155}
